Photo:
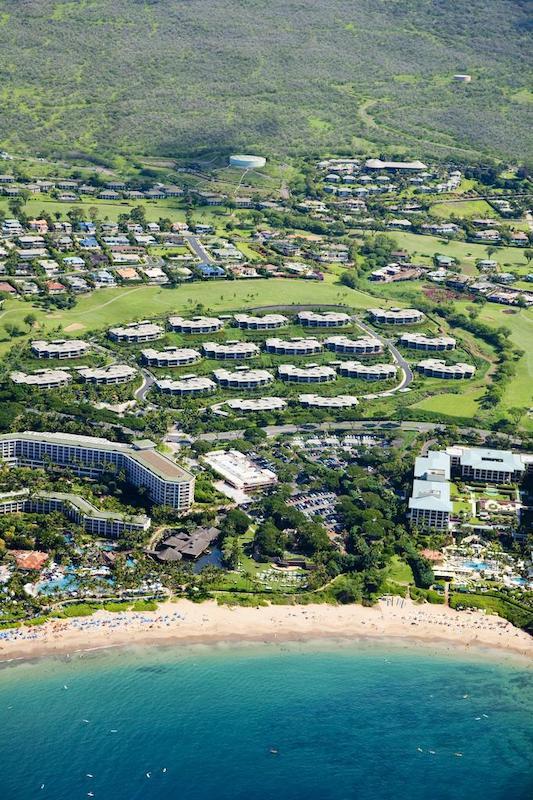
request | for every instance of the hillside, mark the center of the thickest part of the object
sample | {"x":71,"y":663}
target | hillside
{"x":171,"y":77}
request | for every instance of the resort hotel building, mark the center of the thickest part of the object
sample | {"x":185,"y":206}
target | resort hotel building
{"x":170,"y":356}
{"x":239,"y":471}
{"x":331,"y":319}
{"x":417,"y":341}
{"x":230,"y":351}
{"x":109,"y":524}
{"x":367,"y":372}
{"x":268,"y":322}
{"x":317,"y":401}
{"x":108,"y":376}
{"x":195,"y":325}
{"x":257,"y":404}
{"x":144,"y":331}
{"x":430,"y":504}
{"x":491,"y":466}
{"x":186,"y":386}
{"x":42,"y":378}
{"x":60,"y":348}
{"x":314,"y":373}
{"x":435,"y":368}
{"x":396,"y":316}
{"x":365,"y":346}
{"x":293,"y":347}
{"x":166,"y":482}
{"x":242,"y":378}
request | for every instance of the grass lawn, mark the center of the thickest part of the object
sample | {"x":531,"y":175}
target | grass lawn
{"x":453,"y":405}
{"x":106,"y":307}
{"x":107,"y":209}
{"x":464,"y":209}
{"x":466,"y":253}
{"x":399,"y":571}
{"x":520,"y":390}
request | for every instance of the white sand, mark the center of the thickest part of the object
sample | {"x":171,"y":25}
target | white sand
{"x":187,"y":622}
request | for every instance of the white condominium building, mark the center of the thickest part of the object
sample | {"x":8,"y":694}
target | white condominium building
{"x":257,"y":404}
{"x":170,"y":356}
{"x":230,"y":351}
{"x":253,"y":323}
{"x":144,"y":331}
{"x":195,"y":325}
{"x":308,"y":374}
{"x":293,"y":347}
{"x":367,"y":372}
{"x":42,"y":378}
{"x":108,"y":376}
{"x":60,"y":348}
{"x":330,"y":319}
{"x":166,"y":482}
{"x":317,"y":401}
{"x":243,"y":378}
{"x":396,"y":316}
{"x":435,"y":368}
{"x":365,"y":346}
{"x":188,"y":386}
{"x":417,"y":341}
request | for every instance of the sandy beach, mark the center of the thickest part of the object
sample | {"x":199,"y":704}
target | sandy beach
{"x":185,"y":622}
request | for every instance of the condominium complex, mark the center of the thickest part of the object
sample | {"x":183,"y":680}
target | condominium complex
{"x":435,"y":368}
{"x":314,"y":373}
{"x":318,"y":401}
{"x":243,"y":378}
{"x":166,"y":482}
{"x":365,"y":346}
{"x":253,"y":323}
{"x":367,"y":372}
{"x":144,"y":331}
{"x":417,"y":341}
{"x":195,"y":325}
{"x":396,"y":316}
{"x":42,"y":378}
{"x":331,"y":319}
{"x":187,"y":386}
{"x":59,"y":348}
{"x":170,"y":356}
{"x":257,"y":404}
{"x":293,"y":347}
{"x":230,"y":351}
{"x":108,"y":376}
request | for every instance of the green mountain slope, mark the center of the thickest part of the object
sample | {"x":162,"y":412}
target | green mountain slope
{"x":193,"y":76}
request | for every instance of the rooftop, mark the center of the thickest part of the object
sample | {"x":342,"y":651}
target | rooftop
{"x":431,"y":496}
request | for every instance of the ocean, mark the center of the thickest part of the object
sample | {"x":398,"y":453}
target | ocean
{"x":298,"y":721}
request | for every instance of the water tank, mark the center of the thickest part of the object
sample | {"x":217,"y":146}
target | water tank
{"x":247,"y":162}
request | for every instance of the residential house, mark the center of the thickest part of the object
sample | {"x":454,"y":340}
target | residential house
{"x":103,"y":278}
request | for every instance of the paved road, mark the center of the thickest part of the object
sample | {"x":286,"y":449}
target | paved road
{"x":407,"y":372}
{"x":356,"y":425}
{"x":144,"y":388}
{"x":198,"y":248}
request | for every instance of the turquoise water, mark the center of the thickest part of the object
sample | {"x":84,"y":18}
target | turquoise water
{"x":346,"y":721}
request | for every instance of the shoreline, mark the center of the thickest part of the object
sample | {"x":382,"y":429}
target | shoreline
{"x":187,"y":623}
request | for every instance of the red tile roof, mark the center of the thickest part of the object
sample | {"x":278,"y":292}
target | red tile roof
{"x":29,"y":559}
